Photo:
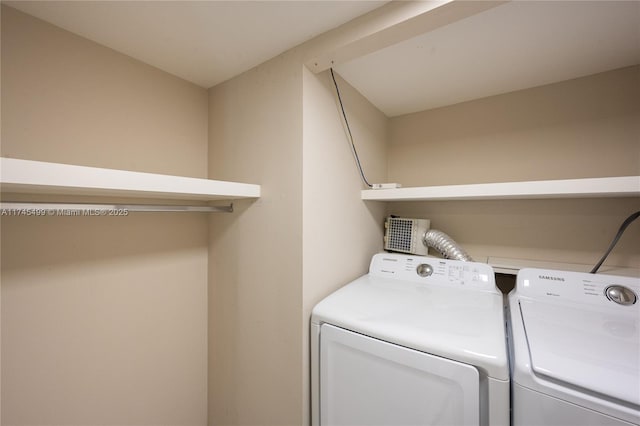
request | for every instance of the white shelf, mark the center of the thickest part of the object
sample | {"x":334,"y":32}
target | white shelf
{"x":627,"y":186}
{"x":37,"y":177}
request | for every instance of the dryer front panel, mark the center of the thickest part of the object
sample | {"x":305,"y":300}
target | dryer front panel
{"x":365,"y":381}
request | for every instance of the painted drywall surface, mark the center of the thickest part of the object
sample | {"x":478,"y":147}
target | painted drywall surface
{"x":94,"y":106}
{"x":279,"y":125}
{"x":104,"y":320}
{"x":587,"y":127}
{"x":566,"y":231}
{"x":231,"y":235}
{"x":255,"y":263}
{"x":338,"y":227}
{"x":340,"y":231}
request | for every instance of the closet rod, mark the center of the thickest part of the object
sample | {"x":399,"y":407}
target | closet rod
{"x":36,"y":208}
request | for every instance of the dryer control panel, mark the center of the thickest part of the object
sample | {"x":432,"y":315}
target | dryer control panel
{"x":433,"y":270}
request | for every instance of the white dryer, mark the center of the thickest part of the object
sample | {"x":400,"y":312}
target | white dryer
{"x":575,"y":348}
{"x":417,"y":341}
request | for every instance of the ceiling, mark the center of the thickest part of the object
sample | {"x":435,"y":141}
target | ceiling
{"x":205,"y":42}
{"x":517,"y":45}
{"x":514,"y":46}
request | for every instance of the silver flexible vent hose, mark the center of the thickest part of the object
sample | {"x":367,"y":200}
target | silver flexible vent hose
{"x":445,"y":245}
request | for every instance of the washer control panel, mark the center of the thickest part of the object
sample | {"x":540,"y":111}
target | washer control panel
{"x":433,"y":270}
{"x":580,"y":287}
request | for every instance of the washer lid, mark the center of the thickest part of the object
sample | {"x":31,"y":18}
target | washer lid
{"x":585,"y":347}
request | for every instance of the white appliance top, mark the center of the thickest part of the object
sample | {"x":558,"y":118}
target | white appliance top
{"x":453,"y":310}
{"x":578,"y":335}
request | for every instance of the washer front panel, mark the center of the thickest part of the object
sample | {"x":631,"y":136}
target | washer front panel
{"x":535,"y":409}
{"x":595,"y":350}
{"x":570,"y":343}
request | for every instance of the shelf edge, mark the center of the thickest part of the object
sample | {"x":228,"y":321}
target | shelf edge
{"x":624,"y":186}
{"x":38,"y":177}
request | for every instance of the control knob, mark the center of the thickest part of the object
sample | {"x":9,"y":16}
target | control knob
{"x":620,"y":294}
{"x":424,"y":269}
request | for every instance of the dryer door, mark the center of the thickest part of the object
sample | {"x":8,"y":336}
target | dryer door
{"x":365,"y":381}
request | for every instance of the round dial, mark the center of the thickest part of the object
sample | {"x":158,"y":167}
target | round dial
{"x":620,"y":294}
{"x":424,"y":269}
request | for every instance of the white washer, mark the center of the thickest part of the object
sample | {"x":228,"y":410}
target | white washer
{"x":417,"y":341}
{"x":575,"y":352}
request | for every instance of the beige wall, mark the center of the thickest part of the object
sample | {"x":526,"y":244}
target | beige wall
{"x":255,"y":262}
{"x":143,"y":316}
{"x":104,"y":320}
{"x":564,"y":231}
{"x":587,"y":127}
{"x":87,"y":104}
{"x":279,"y":125}
{"x":120,"y":112}
{"x":340,"y":232}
